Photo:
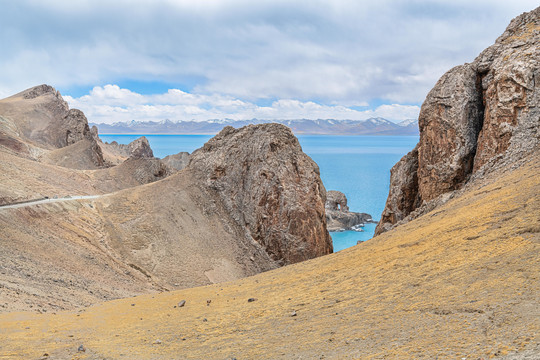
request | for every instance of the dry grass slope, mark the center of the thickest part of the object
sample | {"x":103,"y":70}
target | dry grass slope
{"x":460,"y":282}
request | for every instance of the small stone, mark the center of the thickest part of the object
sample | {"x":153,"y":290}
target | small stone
{"x":293,"y":313}
{"x":132,"y":304}
{"x":204,"y":320}
{"x":81,"y":348}
{"x":208,"y":302}
{"x":252,"y":299}
{"x":45,"y":355}
{"x":182,"y":303}
{"x":157,"y":342}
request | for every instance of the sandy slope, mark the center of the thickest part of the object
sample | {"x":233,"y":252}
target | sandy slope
{"x":460,"y":282}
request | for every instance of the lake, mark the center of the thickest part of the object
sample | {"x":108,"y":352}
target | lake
{"x":358,"y":166}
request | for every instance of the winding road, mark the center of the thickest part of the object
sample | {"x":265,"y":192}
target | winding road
{"x":47,"y":201}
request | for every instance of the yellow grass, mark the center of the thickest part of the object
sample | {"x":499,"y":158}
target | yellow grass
{"x":460,"y":282}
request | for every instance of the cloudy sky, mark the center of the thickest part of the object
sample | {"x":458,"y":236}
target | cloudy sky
{"x":195,"y":60}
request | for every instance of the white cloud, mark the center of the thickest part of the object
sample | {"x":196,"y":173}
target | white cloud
{"x":332,"y":52}
{"x":111,"y":103}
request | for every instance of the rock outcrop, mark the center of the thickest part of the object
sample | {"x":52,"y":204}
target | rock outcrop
{"x":270,"y":187}
{"x":40,"y":118}
{"x":140,"y":148}
{"x":115,"y":153}
{"x":176,"y":162}
{"x":76,"y":127}
{"x":403,"y":196}
{"x":338,"y":216}
{"x":476,"y":116}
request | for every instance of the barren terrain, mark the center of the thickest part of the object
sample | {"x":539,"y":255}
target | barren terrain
{"x":460,"y":282}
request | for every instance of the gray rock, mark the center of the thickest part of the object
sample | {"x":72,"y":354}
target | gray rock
{"x":270,"y":188}
{"x":140,"y":148}
{"x":478,"y":118}
{"x":176,"y":162}
{"x":338,"y":216}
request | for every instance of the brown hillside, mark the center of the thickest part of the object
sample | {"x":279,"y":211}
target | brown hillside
{"x":460,"y":282}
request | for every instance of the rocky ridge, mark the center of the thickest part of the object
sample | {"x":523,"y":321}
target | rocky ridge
{"x":476,"y":116}
{"x":249,"y":201}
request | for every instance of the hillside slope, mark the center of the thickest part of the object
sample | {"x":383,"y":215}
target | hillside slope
{"x":460,"y":282}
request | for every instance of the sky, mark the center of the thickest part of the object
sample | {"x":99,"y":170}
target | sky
{"x":197,"y":60}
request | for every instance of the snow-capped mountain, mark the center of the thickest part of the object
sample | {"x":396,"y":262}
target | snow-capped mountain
{"x":372,"y":126}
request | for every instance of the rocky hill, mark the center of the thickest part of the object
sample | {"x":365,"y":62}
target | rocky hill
{"x":477,"y":117}
{"x":195,"y":227}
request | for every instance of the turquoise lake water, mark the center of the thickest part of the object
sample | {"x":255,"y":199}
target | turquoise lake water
{"x":358,"y":166}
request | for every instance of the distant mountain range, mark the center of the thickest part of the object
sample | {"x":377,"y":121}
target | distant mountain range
{"x":372,"y":126}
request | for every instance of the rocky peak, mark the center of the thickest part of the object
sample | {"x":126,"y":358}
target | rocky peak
{"x":140,"y":148}
{"x":477,"y":115}
{"x":270,"y":188}
{"x":39,"y":90}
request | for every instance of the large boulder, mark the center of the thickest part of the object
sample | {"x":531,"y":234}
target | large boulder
{"x":270,"y":187}
{"x":478,"y":116}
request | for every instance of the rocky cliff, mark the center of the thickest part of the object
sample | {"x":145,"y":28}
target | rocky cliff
{"x":270,"y":187}
{"x":478,"y":116}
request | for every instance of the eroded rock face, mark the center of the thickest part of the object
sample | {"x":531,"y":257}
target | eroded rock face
{"x":338,"y":216}
{"x":477,"y":115}
{"x":140,"y":148}
{"x":270,"y":188}
{"x":176,"y":162}
{"x":336,"y":201}
{"x":511,"y":90}
{"x":39,"y":90}
{"x":450,"y":120}
{"x":403,"y":197}
{"x":76,"y":127}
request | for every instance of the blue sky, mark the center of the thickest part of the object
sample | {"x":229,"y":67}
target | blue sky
{"x":195,"y":60}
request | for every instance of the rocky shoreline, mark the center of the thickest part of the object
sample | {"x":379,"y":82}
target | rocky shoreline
{"x":338,"y":216}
